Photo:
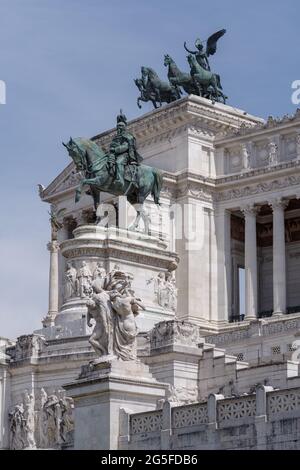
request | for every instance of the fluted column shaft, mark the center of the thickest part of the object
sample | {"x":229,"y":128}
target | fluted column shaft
{"x":279,"y":258}
{"x":250,"y":262}
{"x":53,"y":247}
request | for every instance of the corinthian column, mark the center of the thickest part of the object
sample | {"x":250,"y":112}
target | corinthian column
{"x":53,"y":247}
{"x":250,"y":262}
{"x":279,"y":263}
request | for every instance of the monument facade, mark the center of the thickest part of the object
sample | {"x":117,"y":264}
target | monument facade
{"x":174,"y":324}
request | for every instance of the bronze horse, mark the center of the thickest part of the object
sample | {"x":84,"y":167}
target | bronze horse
{"x":96,"y":165}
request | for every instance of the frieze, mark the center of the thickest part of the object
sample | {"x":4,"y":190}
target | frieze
{"x":259,"y":328}
{"x":280,"y":327}
{"x":228,"y":337}
{"x":174,"y":332}
{"x":271,"y":123}
{"x":26,"y":347}
{"x":45,"y":421}
{"x":138,"y":258}
{"x":259,"y":188}
{"x":196,"y":191}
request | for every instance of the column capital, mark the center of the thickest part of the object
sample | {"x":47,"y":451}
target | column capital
{"x":278,"y":203}
{"x":53,"y":246}
{"x":249,"y":209}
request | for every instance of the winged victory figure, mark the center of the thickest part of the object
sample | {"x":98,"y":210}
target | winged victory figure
{"x":203,"y":54}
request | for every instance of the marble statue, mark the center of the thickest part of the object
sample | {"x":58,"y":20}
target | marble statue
{"x":113,"y":308}
{"x":42,"y":419}
{"x":84,"y":279}
{"x":125,"y":330}
{"x":54,"y":419}
{"x":29,"y":416}
{"x":99,"y":310}
{"x":246,"y":154}
{"x":160,"y":290}
{"x":17,"y":427}
{"x":165,"y":290}
{"x":182,"y":395}
{"x":170,"y":286}
{"x":22,"y":424}
{"x":99,"y":274}
{"x":273,"y":153}
{"x":51,"y":417}
{"x":66,"y":425}
{"x":71,"y":283}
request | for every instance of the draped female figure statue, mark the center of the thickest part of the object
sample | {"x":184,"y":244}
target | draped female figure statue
{"x":113,"y":307}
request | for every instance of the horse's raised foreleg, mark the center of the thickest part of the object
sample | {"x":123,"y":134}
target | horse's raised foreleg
{"x":85,"y":182}
{"x":79,"y":190}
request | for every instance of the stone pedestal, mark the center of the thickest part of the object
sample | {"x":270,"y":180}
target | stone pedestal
{"x":102,"y":391}
{"x":174,"y":358}
{"x":141,"y":255}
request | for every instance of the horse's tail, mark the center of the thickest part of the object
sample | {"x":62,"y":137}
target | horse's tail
{"x":157,"y":185}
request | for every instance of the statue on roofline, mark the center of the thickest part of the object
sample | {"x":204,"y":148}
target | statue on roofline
{"x":200,"y":81}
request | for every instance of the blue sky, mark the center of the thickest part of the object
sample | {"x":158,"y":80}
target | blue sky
{"x":69,"y":66}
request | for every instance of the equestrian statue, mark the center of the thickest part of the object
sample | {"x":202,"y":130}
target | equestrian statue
{"x":119,"y":171}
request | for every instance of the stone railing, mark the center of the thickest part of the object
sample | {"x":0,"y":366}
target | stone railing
{"x":283,"y":401}
{"x":142,"y":423}
{"x":189,"y":415}
{"x":232,"y":409}
{"x":168,"y":425}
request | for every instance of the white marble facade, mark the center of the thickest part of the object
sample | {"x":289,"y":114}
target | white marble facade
{"x":230,"y":202}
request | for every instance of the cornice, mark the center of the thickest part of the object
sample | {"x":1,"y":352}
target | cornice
{"x":166,"y":121}
{"x":262,"y":128}
{"x":191,"y":114}
{"x":186,"y":183}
